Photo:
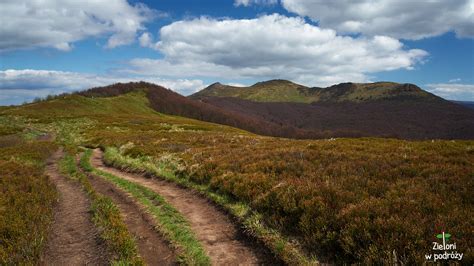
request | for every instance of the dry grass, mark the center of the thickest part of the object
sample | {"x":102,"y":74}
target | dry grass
{"x":26,"y":199}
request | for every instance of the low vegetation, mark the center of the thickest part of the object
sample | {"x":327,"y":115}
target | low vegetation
{"x":354,"y":200}
{"x":359,"y":200}
{"x":26,"y":199}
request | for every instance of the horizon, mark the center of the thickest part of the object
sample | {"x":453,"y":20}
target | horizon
{"x":187,"y":46}
{"x":46,"y":97}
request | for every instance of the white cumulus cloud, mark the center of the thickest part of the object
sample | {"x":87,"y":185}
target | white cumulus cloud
{"x":453,"y":91}
{"x":395,"y":18}
{"x":19,"y":85}
{"x":145,"y":39}
{"x":254,"y":2}
{"x":58,"y":24}
{"x":271,"y":46}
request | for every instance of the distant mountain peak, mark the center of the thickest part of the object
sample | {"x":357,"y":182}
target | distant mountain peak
{"x":280,"y":90}
{"x":276,"y":90}
{"x":362,"y":92}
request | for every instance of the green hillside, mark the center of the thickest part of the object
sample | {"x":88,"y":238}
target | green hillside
{"x":127,"y":106}
{"x":75,"y":105}
{"x":287,"y":91}
{"x":268,"y":91}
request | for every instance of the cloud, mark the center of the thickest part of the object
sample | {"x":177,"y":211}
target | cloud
{"x":145,"y":40}
{"x":453,"y":91}
{"x":271,"y":46}
{"x":236,"y":84}
{"x":58,"y":24}
{"x":17,"y":86}
{"x":395,"y":18}
{"x":454,"y":80}
{"x":254,"y":2}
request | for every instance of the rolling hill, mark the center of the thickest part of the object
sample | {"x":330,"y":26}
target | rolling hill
{"x":382,"y":109}
{"x":268,"y":91}
{"x":344,"y":110}
{"x":169,"y":102}
{"x":287,"y":91}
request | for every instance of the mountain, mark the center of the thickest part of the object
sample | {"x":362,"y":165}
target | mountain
{"x":287,"y":91}
{"x":364,"y":92}
{"x":268,"y":91}
{"x":413,"y":116}
{"x":382,"y":109}
{"x":169,"y":102}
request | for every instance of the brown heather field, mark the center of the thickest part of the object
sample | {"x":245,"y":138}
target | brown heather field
{"x":350,"y":200}
{"x":368,"y":200}
{"x":26,"y":198}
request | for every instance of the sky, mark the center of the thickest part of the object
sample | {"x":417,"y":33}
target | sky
{"x":51,"y":46}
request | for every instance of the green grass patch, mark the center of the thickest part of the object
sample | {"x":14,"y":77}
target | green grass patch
{"x":251,"y":220}
{"x":106,"y":216}
{"x":170,"y":222}
{"x":10,"y":125}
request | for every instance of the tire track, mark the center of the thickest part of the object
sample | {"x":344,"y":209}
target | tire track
{"x":73,"y":238}
{"x":221,"y":238}
{"x":151,"y":247}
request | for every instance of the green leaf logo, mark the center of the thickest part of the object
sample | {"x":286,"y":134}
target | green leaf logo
{"x":446,"y":236}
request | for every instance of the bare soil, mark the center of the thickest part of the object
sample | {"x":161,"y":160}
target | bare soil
{"x":224,"y":243}
{"x":73,"y":239}
{"x":151,"y":246}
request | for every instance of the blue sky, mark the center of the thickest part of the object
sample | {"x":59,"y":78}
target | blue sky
{"x":50,"y":48}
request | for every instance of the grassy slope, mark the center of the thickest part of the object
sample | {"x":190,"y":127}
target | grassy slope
{"x":129,"y":106}
{"x":77,"y":106}
{"x":351,"y":199}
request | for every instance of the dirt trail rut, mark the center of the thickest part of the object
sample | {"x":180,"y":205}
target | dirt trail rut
{"x":73,"y":239}
{"x":221,"y":239}
{"x":151,"y":246}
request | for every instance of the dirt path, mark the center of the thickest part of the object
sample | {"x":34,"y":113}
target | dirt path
{"x":221,"y":239}
{"x":73,"y":239}
{"x":151,"y":246}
